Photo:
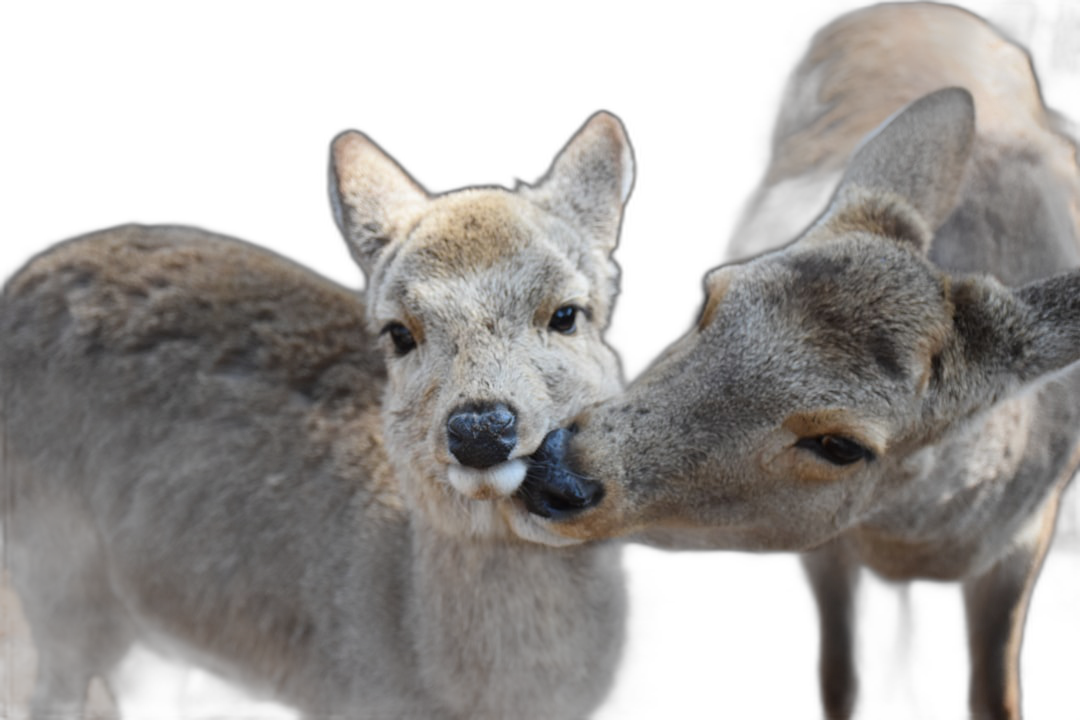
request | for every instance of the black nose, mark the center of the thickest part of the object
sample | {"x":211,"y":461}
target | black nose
{"x":551,"y":488}
{"x":481,"y":435}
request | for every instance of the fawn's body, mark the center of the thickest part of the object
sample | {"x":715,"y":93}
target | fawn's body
{"x":215,"y":451}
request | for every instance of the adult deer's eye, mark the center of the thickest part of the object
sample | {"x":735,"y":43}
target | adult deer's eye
{"x":564,"y":319}
{"x":836,"y":449}
{"x":403,"y":340}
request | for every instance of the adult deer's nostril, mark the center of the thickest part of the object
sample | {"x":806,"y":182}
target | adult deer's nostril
{"x":481,"y":435}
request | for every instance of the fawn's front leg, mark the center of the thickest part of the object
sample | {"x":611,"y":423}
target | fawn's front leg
{"x":833,"y":576}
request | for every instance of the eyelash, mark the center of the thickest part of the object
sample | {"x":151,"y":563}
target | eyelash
{"x":836,"y":449}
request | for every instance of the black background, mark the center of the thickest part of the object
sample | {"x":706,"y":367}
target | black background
{"x":224,"y":123}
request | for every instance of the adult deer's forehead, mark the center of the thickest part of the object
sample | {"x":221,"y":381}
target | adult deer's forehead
{"x":831,"y":316}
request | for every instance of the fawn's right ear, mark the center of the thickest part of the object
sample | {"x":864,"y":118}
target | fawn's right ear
{"x":904,"y":179}
{"x":370,"y":194}
{"x":590,"y":180}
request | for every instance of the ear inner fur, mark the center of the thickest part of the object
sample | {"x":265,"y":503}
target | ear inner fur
{"x":904,"y":179}
{"x":591,"y":179}
{"x":369,"y":193}
{"x":920,"y":153}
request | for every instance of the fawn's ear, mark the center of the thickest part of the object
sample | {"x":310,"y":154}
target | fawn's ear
{"x":903,"y":180}
{"x":372,"y":196}
{"x":590,"y":181}
{"x":1004,"y":338}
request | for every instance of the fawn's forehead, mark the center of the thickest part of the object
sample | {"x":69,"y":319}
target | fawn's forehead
{"x":470,"y":231}
{"x":479,"y":248}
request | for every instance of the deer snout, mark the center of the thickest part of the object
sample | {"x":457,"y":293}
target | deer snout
{"x":551,"y":488}
{"x":481,"y":435}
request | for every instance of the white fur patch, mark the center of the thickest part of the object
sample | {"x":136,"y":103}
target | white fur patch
{"x":503,"y":479}
{"x":534,"y":529}
{"x":627,"y":160}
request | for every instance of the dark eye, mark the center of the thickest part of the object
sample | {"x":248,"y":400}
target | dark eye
{"x":403,"y":339}
{"x":565,"y":319}
{"x":836,"y":449}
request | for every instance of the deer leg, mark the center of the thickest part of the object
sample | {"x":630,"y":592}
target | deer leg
{"x":78,"y":627}
{"x":996,"y":603}
{"x":833,"y":576}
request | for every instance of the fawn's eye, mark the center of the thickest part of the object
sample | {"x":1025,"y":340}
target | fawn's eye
{"x":564,"y":319}
{"x":836,"y":449}
{"x":403,"y":340}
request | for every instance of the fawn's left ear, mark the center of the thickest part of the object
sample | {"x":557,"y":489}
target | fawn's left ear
{"x":903,"y":181}
{"x":590,"y":181}
{"x":1004,"y":338}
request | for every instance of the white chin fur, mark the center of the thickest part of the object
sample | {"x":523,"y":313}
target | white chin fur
{"x":500,"y":480}
{"x":531,"y":528}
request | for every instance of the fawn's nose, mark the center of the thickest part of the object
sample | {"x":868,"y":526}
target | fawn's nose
{"x":481,"y":435}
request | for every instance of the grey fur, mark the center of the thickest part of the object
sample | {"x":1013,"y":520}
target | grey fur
{"x":196,"y":454}
{"x":951,"y":371}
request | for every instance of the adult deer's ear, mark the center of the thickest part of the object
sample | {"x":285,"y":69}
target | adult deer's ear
{"x":904,"y":179}
{"x":590,"y":180}
{"x":372,"y":196}
{"x":1004,"y":338}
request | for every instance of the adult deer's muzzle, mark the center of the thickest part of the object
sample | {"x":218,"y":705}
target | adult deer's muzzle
{"x":551,"y":488}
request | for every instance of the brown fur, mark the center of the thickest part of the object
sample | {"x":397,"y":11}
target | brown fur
{"x":217,"y":452}
{"x":863,"y":393}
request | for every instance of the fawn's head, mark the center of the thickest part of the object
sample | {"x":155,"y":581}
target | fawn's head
{"x":818,"y":374}
{"x":490,"y":305}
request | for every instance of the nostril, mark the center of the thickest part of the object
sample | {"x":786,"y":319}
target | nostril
{"x":461,"y":426}
{"x":476,"y":420}
{"x":500,"y":420}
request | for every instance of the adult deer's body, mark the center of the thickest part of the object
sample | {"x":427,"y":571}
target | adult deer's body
{"x":893,"y":389}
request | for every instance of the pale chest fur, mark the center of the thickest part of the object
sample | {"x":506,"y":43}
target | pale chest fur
{"x":499,"y":627}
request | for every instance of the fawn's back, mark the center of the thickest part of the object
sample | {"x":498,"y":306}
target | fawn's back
{"x":170,"y":383}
